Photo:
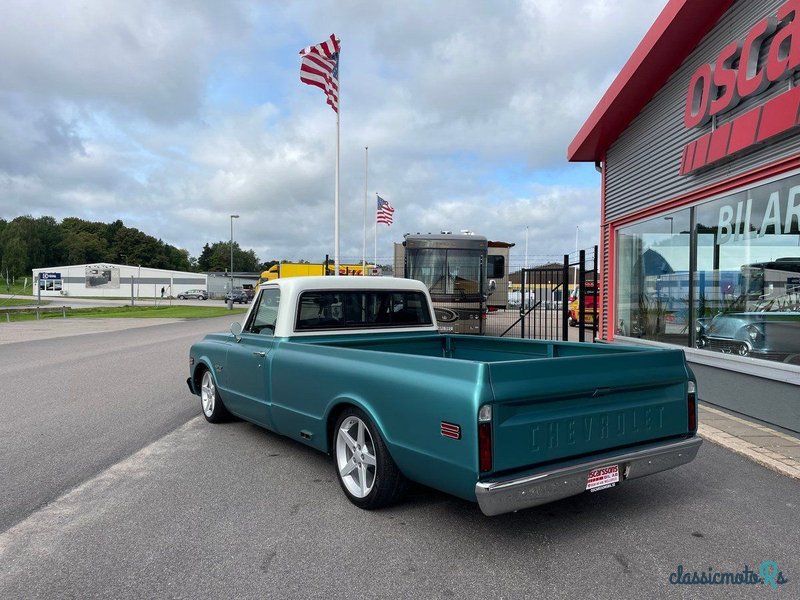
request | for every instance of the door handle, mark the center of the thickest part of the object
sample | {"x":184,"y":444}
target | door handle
{"x":261,"y":354}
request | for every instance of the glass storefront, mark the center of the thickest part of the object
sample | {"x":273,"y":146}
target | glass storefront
{"x":723,"y":275}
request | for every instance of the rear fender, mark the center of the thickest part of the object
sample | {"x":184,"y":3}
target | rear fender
{"x":336,"y":407}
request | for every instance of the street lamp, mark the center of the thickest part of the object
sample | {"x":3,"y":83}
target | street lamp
{"x":670,"y":223}
{"x":232,"y":218}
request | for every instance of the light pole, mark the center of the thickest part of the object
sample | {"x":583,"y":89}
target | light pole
{"x":232,"y":218}
{"x":670,"y":223}
{"x":526,"y":247}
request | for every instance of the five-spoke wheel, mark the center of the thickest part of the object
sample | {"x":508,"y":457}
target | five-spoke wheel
{"x":213,"y":409}
{"x":368,"y":475}
{"x":355,"y":456}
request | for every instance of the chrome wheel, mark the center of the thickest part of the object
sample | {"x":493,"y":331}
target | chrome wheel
{"x":355,"y":457}
{"x":208,"y":394}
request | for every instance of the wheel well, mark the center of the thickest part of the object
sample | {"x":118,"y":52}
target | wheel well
{"x":197,"y":376}
{"x":331,"y":424}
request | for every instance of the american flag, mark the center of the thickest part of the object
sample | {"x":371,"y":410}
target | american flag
{"x":320,"y":67}
{"x":385,"y":211}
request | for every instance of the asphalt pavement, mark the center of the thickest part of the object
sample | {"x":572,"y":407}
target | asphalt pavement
{"x":146,"y":499}
{"x":72,"y":406}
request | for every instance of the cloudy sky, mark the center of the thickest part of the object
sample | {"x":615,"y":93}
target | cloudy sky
{"x":173,"y":114}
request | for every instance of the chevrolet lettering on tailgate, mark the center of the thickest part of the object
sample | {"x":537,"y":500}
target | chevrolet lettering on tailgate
{"x":596,"y":428}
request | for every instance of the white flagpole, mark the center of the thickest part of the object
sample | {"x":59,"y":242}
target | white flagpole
{"x":336,"y":201}
{"x":366,"y":180}
{"x":376,"y":231}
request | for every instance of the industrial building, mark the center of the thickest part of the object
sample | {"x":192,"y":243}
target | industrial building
{"x":114,"y":281}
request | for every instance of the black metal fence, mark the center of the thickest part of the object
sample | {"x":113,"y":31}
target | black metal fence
{"x":542,"y":302}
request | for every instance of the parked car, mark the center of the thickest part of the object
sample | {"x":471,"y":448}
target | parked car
{"x":356,"y":367}
{"x":237,"y":295}
{"x":590,"y":299}
{"x":198,"y":294}
{"x":770,"y":330}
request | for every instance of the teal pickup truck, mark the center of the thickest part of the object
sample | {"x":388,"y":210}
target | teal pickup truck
{"x":355,"y":367}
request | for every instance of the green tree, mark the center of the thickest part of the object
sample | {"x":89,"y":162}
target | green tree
{"x":217,"y":257}
{"x":14,"y":259}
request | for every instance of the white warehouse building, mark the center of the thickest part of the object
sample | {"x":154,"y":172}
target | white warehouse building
{"x":114,"y":281}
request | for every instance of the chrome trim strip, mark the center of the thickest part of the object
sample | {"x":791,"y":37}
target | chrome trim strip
{"x":498,"y":497}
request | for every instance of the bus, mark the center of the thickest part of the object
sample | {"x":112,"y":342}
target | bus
{"x":458,"y":274}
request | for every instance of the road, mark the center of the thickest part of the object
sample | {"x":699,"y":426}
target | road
{"x":73,"y":406}
{"x":112,"y":486}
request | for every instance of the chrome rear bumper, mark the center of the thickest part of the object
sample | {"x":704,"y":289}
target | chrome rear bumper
{"x":507,"y":495}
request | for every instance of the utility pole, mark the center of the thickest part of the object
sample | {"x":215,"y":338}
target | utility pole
{"x":231,"y":272}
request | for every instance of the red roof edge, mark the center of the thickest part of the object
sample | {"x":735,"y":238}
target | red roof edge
{"x":674,"y":35}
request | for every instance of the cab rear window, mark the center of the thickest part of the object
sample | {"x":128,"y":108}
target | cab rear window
{"x":326,"y":310}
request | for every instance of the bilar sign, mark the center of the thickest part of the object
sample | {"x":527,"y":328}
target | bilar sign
{"x":49,"y":275}
{"x":735,"y":220}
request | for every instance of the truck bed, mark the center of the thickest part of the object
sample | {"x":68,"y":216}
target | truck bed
{"x":585,"y":399}
{"x":481,"y":349}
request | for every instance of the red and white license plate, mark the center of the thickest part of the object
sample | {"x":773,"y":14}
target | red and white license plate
{"x":601,"y":479}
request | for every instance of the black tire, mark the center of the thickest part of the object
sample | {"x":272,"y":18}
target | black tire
{"x":181,"y":297}
{"x":388,"y":483}
{"x":792,"y":359}
{"x":214,"y":411}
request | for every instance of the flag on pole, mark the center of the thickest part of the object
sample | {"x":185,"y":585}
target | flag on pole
{"x":385,"y":212}
{"x":320,"y":67}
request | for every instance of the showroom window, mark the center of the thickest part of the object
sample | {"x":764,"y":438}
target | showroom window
{"x":741,"y":269}
{"x":747,"y":296}
{"x":653,"y":281}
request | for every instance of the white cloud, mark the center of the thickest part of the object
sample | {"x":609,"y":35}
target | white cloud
{"x":173,"y":115}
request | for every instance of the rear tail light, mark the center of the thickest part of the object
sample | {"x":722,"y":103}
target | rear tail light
{"x":485,"y":438}
{"x":691,"y":398}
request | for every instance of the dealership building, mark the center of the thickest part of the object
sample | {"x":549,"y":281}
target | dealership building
{"x":697,"y":142}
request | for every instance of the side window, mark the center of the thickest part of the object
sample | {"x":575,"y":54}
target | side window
{"x":496,"y":267}
{"x":266,"y":313}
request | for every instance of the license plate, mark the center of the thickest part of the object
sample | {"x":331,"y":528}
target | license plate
{"x":604,"y":478}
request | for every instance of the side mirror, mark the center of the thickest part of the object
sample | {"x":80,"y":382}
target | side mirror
{"x":236,"y":330}
{"x":492,"y":285}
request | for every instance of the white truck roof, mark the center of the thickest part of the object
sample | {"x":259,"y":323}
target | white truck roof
{"x":292,"y":287}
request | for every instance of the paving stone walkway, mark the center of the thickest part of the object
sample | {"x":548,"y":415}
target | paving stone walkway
{"x":768,"y":447}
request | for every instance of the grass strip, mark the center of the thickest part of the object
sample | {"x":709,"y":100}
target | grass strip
{"x":19,"y":302}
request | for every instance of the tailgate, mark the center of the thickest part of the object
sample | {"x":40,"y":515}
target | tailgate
{"x":554,"y":409}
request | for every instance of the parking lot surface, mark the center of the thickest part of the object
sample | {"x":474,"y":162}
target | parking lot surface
{"x":146,"y":499}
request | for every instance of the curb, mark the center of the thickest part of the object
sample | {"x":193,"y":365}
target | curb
{"x":766,"y":458}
